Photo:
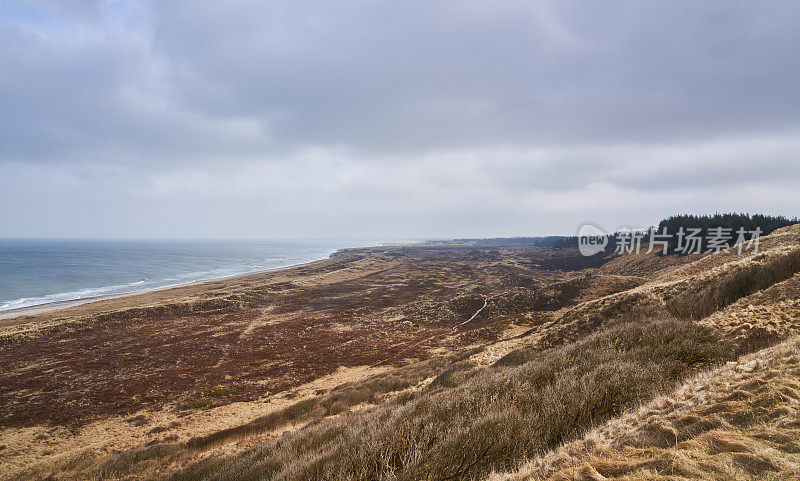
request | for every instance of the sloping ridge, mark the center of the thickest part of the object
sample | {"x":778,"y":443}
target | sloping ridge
{"x":740,"y":421}
{"x":700,"y":290}
{"x":737,"y":422}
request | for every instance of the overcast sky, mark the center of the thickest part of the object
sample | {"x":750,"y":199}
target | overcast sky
{"x":412,"y":119}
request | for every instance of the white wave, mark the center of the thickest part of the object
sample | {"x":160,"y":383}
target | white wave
{"x":70,"y":296}
{"x":146,"y":284}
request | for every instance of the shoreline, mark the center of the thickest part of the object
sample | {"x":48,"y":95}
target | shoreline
{"x":51,"y":306}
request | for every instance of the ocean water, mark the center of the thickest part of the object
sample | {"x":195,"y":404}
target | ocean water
{"x":34,"y":272}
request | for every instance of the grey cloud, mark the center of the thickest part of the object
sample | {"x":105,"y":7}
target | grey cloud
{"x":442,"y":75}
{"x":314,"y":118}
{"x":385,"y":78}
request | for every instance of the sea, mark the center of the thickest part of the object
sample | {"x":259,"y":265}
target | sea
{"x":38,"y":271}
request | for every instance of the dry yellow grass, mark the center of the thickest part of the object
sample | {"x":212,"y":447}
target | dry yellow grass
{"x":771,"y":314}
{"x":737,"y":422}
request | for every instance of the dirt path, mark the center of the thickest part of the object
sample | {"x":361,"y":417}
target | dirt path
{"x":485,"y":303}
{"x":394,"y":356}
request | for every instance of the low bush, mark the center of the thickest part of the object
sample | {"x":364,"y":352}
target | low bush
{"x":338,"y":400}
{"x":126,"y":461}
{"x":736,"y":284}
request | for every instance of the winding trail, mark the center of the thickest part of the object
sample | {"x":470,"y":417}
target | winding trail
{"x":455,"y":328}
{"x":485,"y":303}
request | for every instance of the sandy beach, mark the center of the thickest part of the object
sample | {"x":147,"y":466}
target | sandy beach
{"x":51,"y":307}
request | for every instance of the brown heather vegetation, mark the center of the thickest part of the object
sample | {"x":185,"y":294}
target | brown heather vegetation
{"x":507,"y":363}
{"x":258,"y":335}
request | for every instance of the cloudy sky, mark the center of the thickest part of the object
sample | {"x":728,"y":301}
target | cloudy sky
{"x":368,"y":119}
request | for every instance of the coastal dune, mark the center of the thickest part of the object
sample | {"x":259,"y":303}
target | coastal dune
{"x":181,"y":382}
